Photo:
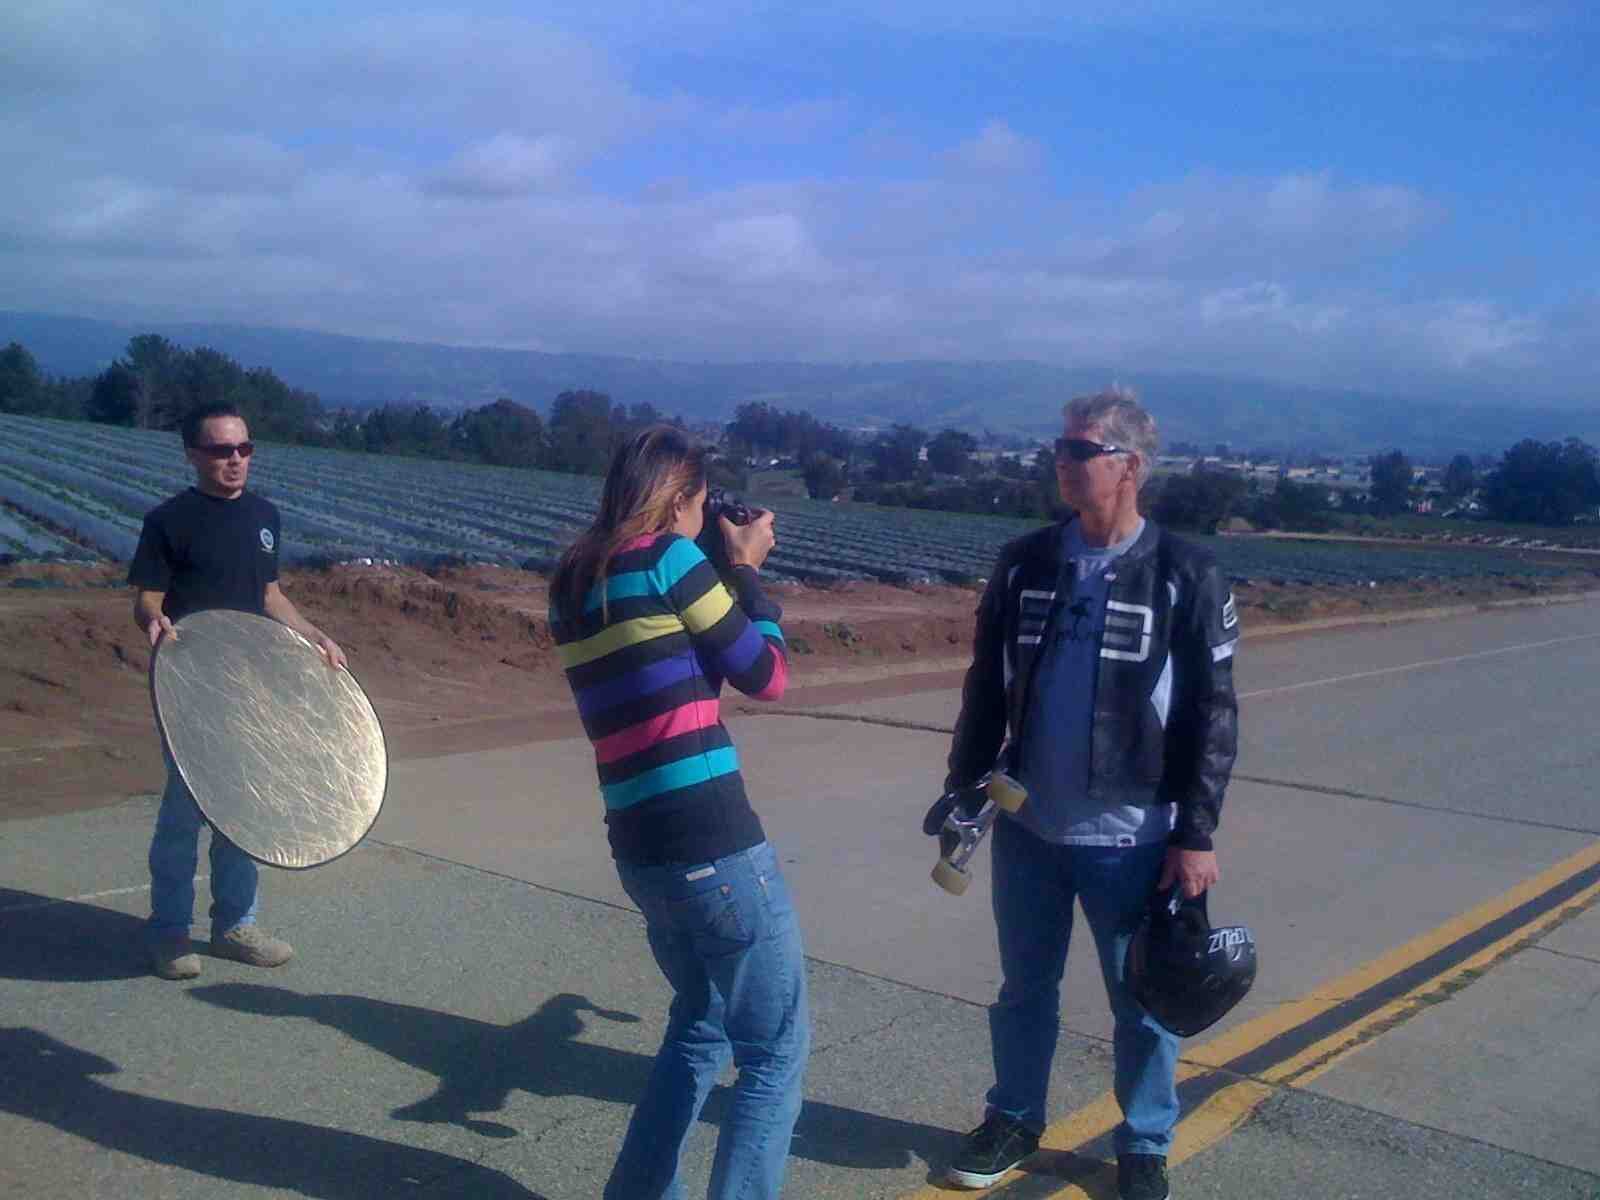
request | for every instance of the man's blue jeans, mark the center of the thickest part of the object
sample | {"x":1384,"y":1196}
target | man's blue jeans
{"x":174,"y":854}
{"x":725,"y":935}
{"x":1035,"y":883}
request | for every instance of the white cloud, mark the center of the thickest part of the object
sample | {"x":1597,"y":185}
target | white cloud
{"x":1467,"y":333}
{"x":799,"y":271}
{"x":998,"y":148}
{"x":508,"y":164}
{"x":768,"y":247}
{"x":1222,"y":226}
{"x":1268,"y":303}
{"x":225,"y":162}
{"x":435,"y":177}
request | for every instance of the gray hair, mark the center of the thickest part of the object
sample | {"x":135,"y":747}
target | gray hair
{"x":1122,"y":421}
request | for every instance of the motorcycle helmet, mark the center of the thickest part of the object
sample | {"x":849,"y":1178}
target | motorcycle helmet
{"x":1186,"y":973}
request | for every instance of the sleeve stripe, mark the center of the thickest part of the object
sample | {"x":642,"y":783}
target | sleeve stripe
{"x":779,"y":681}
{"x":708,"y":610}
{"x":742,"y":653}
{"x":769,"y":629}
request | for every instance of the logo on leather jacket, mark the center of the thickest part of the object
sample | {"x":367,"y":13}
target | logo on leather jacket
{"x":1127,"y":633}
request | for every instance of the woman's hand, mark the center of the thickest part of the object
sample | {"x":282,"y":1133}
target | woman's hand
{"x":749,"y":545}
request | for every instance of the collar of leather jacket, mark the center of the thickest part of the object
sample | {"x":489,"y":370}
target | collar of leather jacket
{"x":1044,"y":545}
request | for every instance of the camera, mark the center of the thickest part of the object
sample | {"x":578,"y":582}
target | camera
{"x":711,"y":542}
{"x":720,"y":504}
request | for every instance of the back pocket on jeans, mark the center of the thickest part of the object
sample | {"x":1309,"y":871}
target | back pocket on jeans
{"x":714,"y":919}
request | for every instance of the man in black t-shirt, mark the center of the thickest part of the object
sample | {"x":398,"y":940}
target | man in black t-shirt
{"x":212,"y":546}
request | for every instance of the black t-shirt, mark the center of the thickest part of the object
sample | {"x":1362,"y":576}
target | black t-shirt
{"x":207,"y":552}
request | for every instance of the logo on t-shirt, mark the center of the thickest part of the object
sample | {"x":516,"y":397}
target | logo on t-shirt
{"x":267,"y":540}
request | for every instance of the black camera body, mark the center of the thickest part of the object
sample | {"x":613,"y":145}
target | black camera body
{"x":720,"y":504}
{"x":711,"y":542}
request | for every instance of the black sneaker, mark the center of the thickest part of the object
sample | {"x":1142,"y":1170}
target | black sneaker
{"x":1142,"y":1177}
{"x":991,"y":1150}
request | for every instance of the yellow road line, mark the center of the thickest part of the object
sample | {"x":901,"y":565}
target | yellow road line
{"x":1262,"y":1029}
{"x":1317,"y":1059}
{"x":1226,"y":1109}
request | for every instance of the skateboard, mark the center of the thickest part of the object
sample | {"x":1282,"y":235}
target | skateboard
{"x":962,"y":818}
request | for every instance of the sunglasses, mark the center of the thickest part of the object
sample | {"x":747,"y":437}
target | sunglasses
{"x":1082,"y":449}
{"x":221,"y":450}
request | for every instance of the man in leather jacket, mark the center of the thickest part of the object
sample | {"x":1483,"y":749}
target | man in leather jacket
{"x":1102,"y":680}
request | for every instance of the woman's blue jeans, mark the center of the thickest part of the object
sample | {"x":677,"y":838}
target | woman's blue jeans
{"x":1035,"y":883}
{"x":724,"y":934}
{"x":174,"y":854}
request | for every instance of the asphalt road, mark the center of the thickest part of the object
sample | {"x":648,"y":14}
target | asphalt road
{"x":1412,"y":835}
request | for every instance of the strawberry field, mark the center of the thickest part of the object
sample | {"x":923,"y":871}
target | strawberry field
{"x":78,"y":491}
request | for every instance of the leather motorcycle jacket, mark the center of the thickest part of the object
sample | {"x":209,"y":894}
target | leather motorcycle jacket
{"x":1165,"y":724}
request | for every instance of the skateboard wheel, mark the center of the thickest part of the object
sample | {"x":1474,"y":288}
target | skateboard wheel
{"x":950,"y":879}
{"x":1006,"y":792}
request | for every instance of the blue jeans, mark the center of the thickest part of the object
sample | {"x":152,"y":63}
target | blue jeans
{"x":174,"y":854}
{"x":1034,"y":885}
{"x":724,"y":934}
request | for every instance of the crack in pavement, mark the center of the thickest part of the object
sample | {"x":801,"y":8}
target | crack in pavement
{"x":1287,"y":1092}
{"x":822,"y":714}
{"x":1371,"y":797}
{"x":1583,"y":958}
{"x":861,"y":1035}
{"x":1266,"y":780}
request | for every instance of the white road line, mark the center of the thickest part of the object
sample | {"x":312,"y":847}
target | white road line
{"x":127,"y":891}
{"x":1417,"y":666}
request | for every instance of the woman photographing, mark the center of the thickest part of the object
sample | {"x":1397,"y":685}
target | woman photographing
{"x":647,"y":632}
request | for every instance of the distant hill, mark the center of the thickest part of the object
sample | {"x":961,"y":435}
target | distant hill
{"x":1013,"y":397}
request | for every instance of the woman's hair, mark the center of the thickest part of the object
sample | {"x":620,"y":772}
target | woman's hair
{"x":647,"y":475}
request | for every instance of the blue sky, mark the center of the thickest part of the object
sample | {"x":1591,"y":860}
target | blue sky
{"x":1342,"y":194}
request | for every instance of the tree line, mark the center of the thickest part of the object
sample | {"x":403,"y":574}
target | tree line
{"x":1533,"y":482}
{"x":901,"y":466}
{"x":156,"y":381}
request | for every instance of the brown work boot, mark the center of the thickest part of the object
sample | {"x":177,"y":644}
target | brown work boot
{"x":174,"y":958}
{"x":247,"y":944}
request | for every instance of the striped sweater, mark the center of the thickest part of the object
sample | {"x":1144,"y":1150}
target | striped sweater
{"x":646,"y":675}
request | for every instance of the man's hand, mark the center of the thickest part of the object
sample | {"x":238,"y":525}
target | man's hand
{"x":1194,"y":871}
{"x":157,"y":626}
{"x":331,"y":652}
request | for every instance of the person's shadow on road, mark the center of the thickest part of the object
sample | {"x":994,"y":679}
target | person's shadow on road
{"x":478,"y":1066}
{"x":67,"y":942}
{"x":48,"y":1081}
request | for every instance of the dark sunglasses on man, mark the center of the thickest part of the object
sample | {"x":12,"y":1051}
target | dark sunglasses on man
{"x":1082,"y":449}
{"x":221,"y":450}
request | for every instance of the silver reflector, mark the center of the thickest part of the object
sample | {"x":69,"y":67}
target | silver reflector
{"x":284,"y":756}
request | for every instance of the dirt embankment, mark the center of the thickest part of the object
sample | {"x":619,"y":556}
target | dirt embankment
{"x":463,"y":659}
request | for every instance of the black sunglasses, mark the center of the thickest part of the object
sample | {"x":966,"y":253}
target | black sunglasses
{"x":1082,"y":449}
{"x":221,"y":450}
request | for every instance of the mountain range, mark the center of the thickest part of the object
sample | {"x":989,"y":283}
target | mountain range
{"x":1010,"y":397}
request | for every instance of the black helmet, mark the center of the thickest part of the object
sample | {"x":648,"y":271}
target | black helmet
{"x":1185,"y":973}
